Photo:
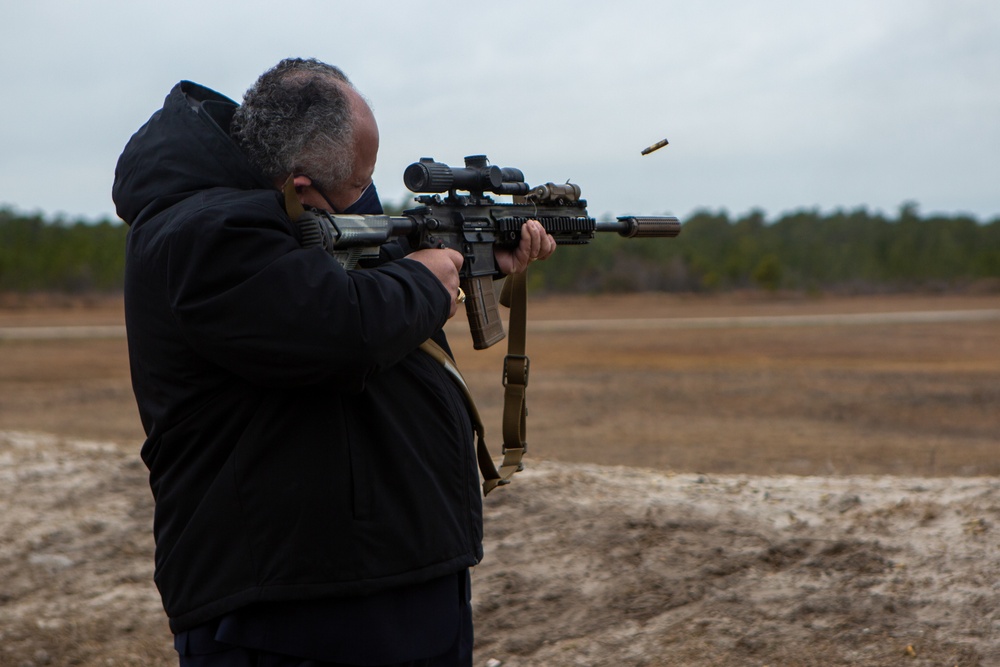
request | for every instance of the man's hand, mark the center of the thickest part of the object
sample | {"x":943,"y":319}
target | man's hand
{"x":444,"y":263}
{"x":535,"y":244}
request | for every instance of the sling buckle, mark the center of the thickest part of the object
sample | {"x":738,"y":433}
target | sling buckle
{"x":516,"y":374}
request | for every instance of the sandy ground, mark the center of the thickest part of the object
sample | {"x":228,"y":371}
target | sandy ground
{"x":807,"y":494}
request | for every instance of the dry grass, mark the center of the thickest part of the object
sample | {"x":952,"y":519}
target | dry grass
{"x":903,"y":398}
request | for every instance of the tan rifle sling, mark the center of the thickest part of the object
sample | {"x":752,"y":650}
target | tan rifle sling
{"x":293,"y":207}
{"x":515,"y":380}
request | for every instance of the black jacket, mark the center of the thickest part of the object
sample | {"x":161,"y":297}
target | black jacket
{"x":299,"y":445}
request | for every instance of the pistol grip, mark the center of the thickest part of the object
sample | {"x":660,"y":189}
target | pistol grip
{"x":483,"y":311}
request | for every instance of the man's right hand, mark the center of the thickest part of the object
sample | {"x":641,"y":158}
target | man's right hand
{"x":444,"y":263}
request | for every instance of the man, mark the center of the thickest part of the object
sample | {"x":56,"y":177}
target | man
{"x":316,"y":488}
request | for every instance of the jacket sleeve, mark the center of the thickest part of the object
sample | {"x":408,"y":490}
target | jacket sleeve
{"x":248,"y":297}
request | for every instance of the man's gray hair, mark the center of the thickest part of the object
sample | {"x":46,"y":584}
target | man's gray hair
{"x":297,"y":119}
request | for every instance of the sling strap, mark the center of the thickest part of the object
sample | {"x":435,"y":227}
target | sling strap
{"x":293,"y":207}
{"x":515,"y":381}
{"x":514,"y":296}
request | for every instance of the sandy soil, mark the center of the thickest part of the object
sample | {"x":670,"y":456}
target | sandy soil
{"x":723,"y":493}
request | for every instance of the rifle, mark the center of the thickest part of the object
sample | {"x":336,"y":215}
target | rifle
{"x":472,"y":224}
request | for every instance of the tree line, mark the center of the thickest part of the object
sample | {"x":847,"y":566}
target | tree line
{"x":805,"y":250}
{"x":58,"y":255}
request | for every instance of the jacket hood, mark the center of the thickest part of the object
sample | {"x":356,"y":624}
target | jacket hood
{"x":182,"y":149}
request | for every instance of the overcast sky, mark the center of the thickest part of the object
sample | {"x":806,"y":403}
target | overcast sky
{"x":776,"y":104}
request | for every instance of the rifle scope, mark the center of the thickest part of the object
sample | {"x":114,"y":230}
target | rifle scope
{"x":476,"y":176}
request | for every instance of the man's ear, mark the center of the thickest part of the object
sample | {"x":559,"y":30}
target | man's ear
{"x":308,"y":192}
{"x":301,"y":182}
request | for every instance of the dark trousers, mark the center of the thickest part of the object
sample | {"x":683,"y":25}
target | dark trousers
{"x":459,"y":656}
{"x":201,"y":649}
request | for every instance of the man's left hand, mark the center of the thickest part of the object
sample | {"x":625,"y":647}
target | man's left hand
{"x":535,"y":244}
